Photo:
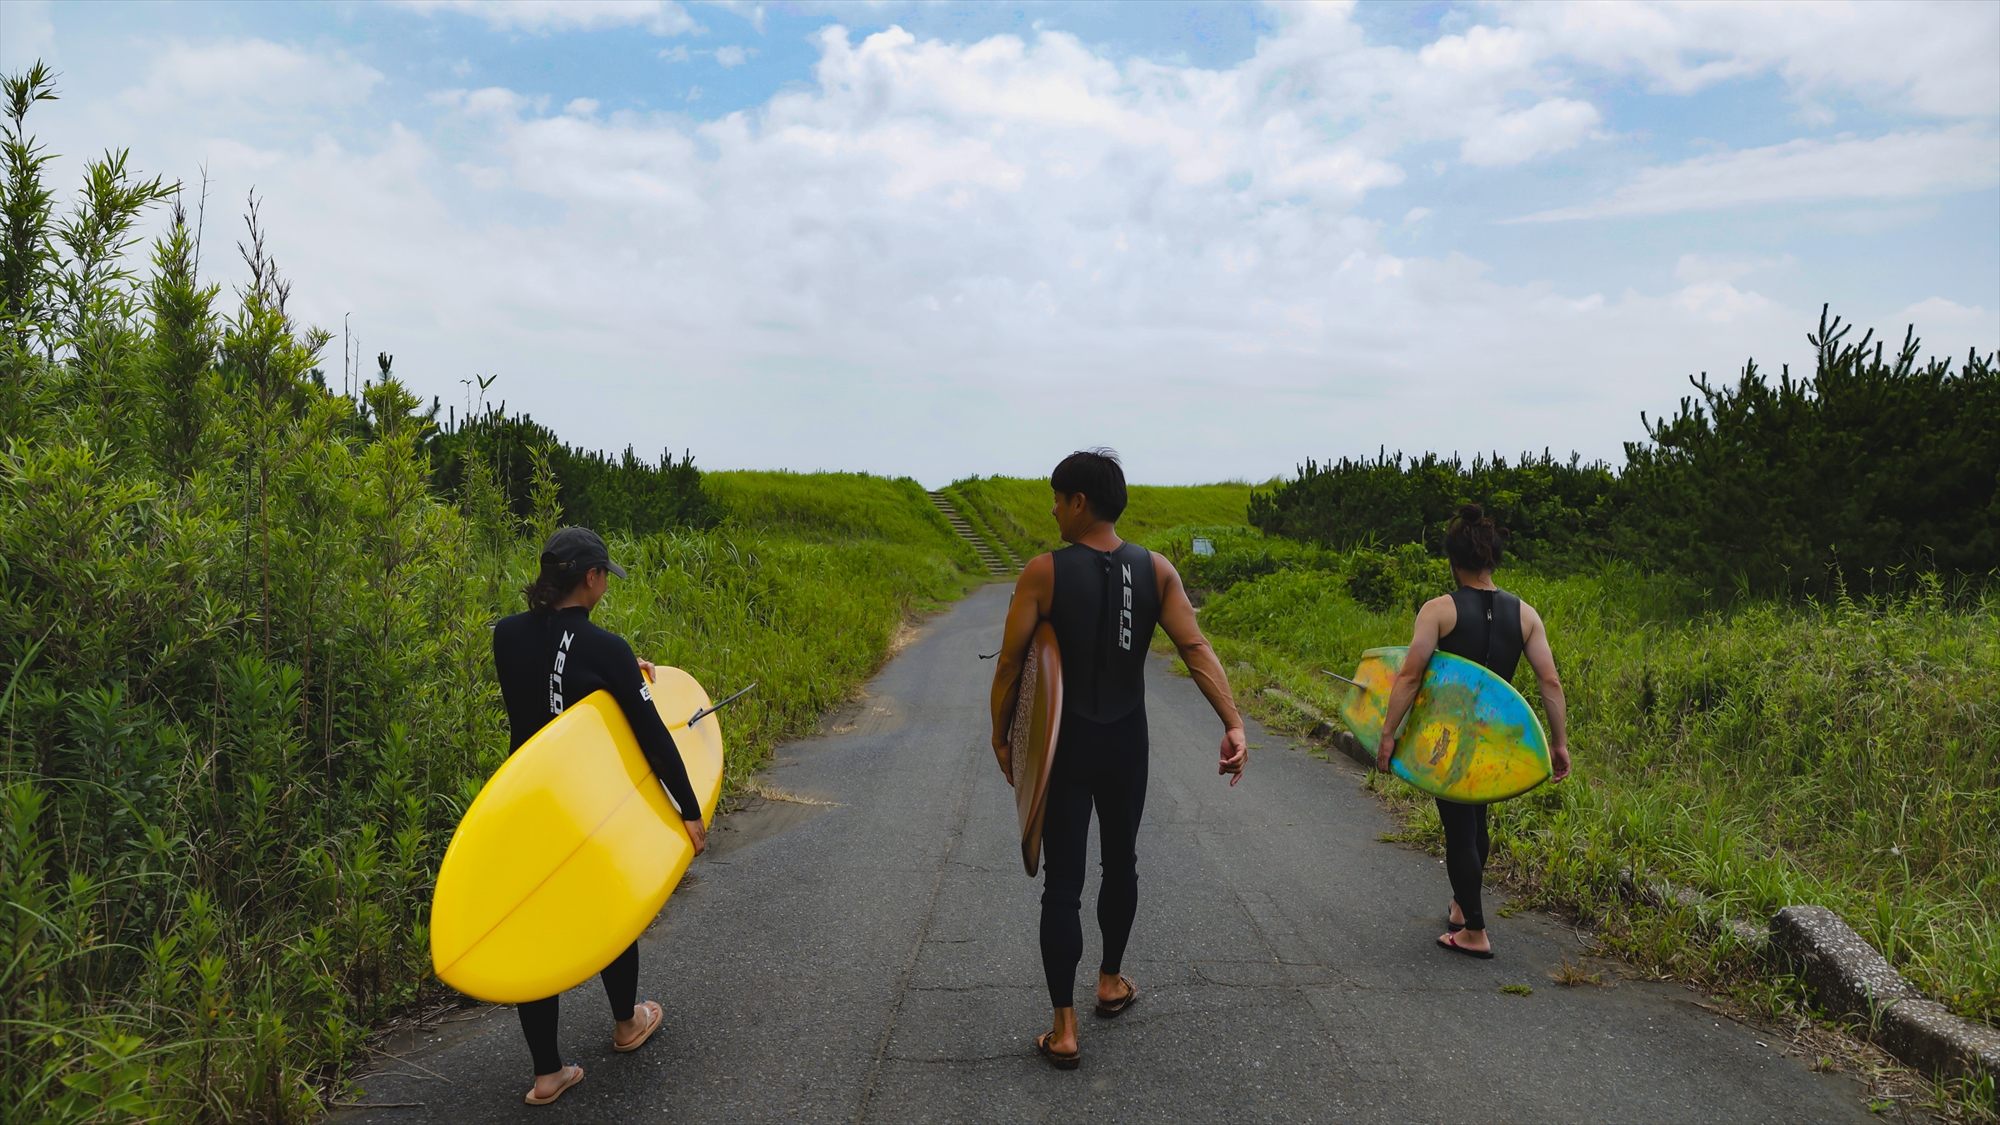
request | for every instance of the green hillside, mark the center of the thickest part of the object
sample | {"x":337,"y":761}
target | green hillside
{"x":1017,"y":509}
{"x":837,"y":508}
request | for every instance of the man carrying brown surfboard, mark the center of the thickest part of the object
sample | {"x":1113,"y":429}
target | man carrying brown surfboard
{"x":1103,"y":597}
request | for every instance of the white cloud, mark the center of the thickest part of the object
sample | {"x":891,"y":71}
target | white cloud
{"x":1933,"y":58}
{"x":661,"y":17}
{"x":253,"y":77}
{"x":1934,"y":312}
{"x":732,"y":56}
{"x":1963,"y":158}
{"x":1512,"y":138}
{"x":27,"y":35}
{"x":754,"y":13}
{"x":894,"y":265}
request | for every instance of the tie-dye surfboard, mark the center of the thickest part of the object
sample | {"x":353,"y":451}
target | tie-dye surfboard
{"x":1470,"y":737}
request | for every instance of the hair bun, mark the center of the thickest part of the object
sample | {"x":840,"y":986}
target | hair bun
{"x":1471,"y":513}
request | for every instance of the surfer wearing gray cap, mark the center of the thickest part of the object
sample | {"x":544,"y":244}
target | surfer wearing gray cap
{"x":1103,"y":597}
{"x":548,"y":659}
{"x":1489,"y":626}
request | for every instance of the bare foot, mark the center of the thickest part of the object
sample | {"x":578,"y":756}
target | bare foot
{"x":1062,"y":1039}
{"x":1471,"y":939}
{"x":1111,"y":989}
{"x":547,"y":1086}
{"x":1456,"y":916}
{"x":625,"y":1033}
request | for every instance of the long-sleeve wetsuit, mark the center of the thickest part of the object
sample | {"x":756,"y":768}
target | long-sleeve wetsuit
{"x":548,"y":662}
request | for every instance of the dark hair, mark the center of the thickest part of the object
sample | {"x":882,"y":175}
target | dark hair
{"x":1097,"y":474}
{"x":552,"y":585}
{"x":1473,"y":542}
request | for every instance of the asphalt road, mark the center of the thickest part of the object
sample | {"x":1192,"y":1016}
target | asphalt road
{"x":874,"y":958}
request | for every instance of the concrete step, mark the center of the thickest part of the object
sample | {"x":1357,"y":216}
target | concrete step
{"x":994,"y":564}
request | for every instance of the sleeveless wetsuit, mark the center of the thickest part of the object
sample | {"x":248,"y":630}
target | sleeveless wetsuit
{"x":1488,"y":632}
{"x":547,"y":662}
{"x":1104,"y":611}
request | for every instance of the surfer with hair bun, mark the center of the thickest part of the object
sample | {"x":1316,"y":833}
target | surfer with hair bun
{"x":548,"y":659}
{"x":1489,"y":626}
{"x":1103,"y":597}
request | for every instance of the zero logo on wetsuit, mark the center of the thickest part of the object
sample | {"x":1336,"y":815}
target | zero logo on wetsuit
{"x":555,"y":676}
{"x":1125,"y":614}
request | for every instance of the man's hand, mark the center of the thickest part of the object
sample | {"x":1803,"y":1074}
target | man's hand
{"x":1004,"y":754}
{"x":1559,"y":762}
{"x":1385,"y":753}
{"x":1235,"y":754}
{"x":697,"y":835}
{"x":646,"y":669}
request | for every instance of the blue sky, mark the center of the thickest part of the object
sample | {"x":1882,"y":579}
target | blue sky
{"x":948,"y":239}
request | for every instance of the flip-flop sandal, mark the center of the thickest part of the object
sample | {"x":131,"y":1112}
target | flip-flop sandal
{"x":575,"y":1076}
{"x":1056,"y":1058}
{"x":1117,"y":1007}
{"x":1450,"y":941}
{"x":652,"y":1009}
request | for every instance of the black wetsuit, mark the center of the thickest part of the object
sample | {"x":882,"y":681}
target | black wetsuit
{"x":1488,"y":632}
{"x":547,"y":662}
{"x":1105,"y":608}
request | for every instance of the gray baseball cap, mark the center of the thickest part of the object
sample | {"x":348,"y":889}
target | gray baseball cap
{"x":574,"y":550}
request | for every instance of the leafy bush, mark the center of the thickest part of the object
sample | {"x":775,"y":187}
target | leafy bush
{"x":1553,"y":509}
{"x":1871,"y":470}
{"x":622,"y":495}
{"x":1869,"y":466}
{"x":246,"y":689}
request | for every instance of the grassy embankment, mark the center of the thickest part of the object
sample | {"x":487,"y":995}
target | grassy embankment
{"x":1016,"y":509}
{"x":802,"y":589}
{"x":1764,"y":753}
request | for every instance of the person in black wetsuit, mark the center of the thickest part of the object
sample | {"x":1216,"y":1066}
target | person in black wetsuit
{"x":1489,"y":626}
{"x":549,"y":658}
{"x":1104,"y":597}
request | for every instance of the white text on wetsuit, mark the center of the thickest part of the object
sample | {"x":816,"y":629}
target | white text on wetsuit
{"x":555,"y":675}
{"x":1125,"y":614}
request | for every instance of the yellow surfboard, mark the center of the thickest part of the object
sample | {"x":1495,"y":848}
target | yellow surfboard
{"x":570,"y":850}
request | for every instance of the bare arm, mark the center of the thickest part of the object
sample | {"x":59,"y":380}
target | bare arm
{"x":1177,"y":617}
{"x":1034,"y":593}
{"x":1554,"y":704}
{"x":1438,"y":617}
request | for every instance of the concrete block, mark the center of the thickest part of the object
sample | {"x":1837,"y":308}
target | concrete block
{"x":1345,"y":742}
{"x":1842,"y":969}
{"x":1927,"y":1036}
{"x":1848,"y":977}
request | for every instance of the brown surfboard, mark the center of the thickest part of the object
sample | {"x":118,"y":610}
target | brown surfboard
{"x":1031,"y":742}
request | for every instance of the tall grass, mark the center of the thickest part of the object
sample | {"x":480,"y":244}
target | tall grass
{"x":1845,"y":754}
{"x":1017,"y":509}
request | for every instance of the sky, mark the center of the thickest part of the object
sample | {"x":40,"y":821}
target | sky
{"x":946,"y":240}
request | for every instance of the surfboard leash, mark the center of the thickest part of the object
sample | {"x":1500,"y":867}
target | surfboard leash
{"x":1342,"y":679}
{"x":705,"y":712}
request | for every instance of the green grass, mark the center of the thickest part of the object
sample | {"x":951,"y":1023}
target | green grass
{"x":1017,"y":509}
{"x":807,"y":620}
{"x":837,"y":508}
{"x":1846,"y":755}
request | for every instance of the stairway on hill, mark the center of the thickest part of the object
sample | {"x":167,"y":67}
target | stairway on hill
{"x":999,"y":565}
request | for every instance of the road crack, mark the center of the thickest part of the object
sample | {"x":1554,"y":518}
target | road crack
{"x":958,"y":820}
